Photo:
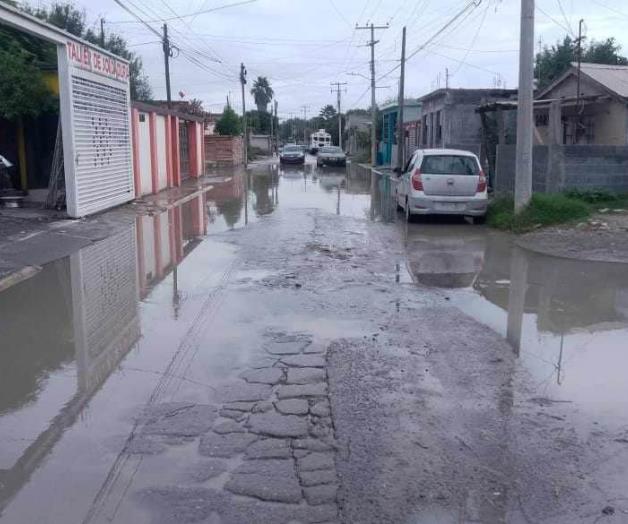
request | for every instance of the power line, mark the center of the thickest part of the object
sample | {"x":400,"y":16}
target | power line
{"x":188,"y":15}
{"x":560,"y":6}
{"x":545,"y":13}
{"x":473,"y":3}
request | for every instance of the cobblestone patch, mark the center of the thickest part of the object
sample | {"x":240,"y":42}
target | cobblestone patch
{"x":293,"y":406}
{"x":298,"y":391}
{"x":305,"y":375}
{"x":278,"y":425}
{"x":263,"y":375}
{"x":304,"y":361}
{"x":185,"y":421}
{"x":275,"y":426}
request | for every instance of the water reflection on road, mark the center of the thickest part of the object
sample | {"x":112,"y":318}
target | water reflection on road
{"x":106,"y":319}
{"x":567,"y":320}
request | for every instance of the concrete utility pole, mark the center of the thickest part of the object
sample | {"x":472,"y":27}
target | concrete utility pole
{"x":339,"y":91}
{"x":245,"y":153}
{"x":167,"y":54}
{"x":372,"y":43}
{"x":272,"y":134}
{"x":525,"y":120}
{"x":577,"y":130}
{"x":401,"y":139}
{"x":277,"y":127}
{"x":305,"y":109}
{"x":446,"y":78}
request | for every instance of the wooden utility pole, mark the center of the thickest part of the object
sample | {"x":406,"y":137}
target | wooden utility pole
{"x":102,"y":33}
{"x":338,"y":92}
{"x":372,"y":43}
{"x":401,"y":140}
{"x":525,"y":120}
{"x":245,"y":134}
{"x":167,"y":53}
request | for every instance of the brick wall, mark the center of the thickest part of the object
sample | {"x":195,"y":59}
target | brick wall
{"x":223,"y":150}
{"x":559,"y":168}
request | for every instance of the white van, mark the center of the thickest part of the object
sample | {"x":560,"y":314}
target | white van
{"x":319,"y":140}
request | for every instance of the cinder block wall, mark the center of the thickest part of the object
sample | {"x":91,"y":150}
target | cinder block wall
{"x":559,"y":168}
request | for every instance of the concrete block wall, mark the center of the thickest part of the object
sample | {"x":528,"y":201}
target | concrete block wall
{"x":558,"y":168}
{"x":223,"y":150}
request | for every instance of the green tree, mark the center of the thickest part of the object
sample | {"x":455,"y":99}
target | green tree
{"x":262,"y":93}
{"x":68,"y":17}
{"x":328,"y":112}
{"x":553,"y":61}
{"x":23,"y":92}
{"x":229,"y":123}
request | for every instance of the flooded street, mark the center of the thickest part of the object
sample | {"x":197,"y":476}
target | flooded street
{"x":279,"y":347}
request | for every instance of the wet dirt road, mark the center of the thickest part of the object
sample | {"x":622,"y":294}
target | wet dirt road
{"x":271,"y":350}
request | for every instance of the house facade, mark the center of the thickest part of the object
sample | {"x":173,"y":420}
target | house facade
{"x":389,"y":141}
{"x":597,"y":115}
{"x":449,"y":118}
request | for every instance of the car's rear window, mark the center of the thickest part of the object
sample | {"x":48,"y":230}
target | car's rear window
{"x":449,"y":165}
{"x":292,"y":149}
{"x":331,"y":150}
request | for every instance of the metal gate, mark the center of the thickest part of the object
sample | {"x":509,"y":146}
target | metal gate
{"x":95,"y":106}
{"x":184,"y":150}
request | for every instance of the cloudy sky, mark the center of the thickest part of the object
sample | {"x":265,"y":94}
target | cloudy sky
{"x":302,"y":46}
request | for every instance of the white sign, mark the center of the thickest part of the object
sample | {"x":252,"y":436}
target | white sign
{"x":90,"y":59}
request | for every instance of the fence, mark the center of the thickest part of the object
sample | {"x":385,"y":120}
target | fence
{"x":558,"y":168}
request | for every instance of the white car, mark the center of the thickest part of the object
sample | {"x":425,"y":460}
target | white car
{"x":443,"y":182}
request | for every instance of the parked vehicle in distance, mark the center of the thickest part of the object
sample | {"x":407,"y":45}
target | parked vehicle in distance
{"x":319,"y":140}
{"x":443,"y":182}
{"x":292,"y":154}
{"x":331,"y":156}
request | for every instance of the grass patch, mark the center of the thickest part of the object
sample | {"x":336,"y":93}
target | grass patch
{"x":543,"y":210}
{"x":599,"y":199}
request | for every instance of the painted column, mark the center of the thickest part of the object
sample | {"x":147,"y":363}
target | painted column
{"x":135,"y":124}
{"x":154,"y":162}
{"x":168,"y":146}
{"x":192,"y":149}
{"x":176,"y":152}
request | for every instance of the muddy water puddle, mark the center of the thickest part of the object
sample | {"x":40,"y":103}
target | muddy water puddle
{"x":566,"y":320}
{"x":85,"y":342}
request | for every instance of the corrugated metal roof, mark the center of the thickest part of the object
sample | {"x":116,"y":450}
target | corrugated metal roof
{"x":613,"y":77}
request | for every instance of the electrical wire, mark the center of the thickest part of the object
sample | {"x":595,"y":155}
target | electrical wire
{"x":188,"y":15}
{"x":472,"y":4}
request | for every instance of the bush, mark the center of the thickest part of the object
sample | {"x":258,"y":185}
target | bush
{"x":229,"y":123}
{"x":543,"y":210}
{"x":598,"y":198}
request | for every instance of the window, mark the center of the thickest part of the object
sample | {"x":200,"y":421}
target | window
{"x":424,"y":131}
{"x":541,"y":120}
{"x":439,"y":129}
{"x":450,"y":165}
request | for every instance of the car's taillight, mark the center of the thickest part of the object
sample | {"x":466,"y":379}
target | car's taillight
{"x":481,"y":183}
{"x":417,"y":183}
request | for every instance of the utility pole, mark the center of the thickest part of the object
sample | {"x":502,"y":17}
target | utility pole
{"x":525,"y":108}
{"x":305,"y":108}
{"x":102,"y":33}
{"x":339,"y":91}
{"x":577,"y":130}
{"x":446,"y":78}
{"x":245,"y":135}
{"x":401,"y":139}
{"x":277,"y":127}
{"x":272,"y":134}
{"x":167,"y":54}
{"x":372,"y":43}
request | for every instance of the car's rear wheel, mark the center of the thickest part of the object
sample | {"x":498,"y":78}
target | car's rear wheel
{"x":479,"y":220}
{"x":407,"y":211}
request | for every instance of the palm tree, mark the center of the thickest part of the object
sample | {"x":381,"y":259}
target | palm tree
{"x":262,"y":92}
